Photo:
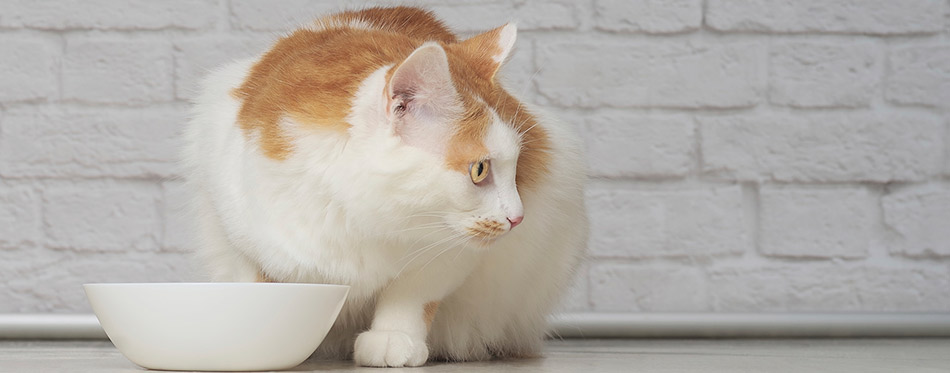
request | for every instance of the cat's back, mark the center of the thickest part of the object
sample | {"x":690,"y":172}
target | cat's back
{"x":311,"y":75}
{"x":415,"y":23}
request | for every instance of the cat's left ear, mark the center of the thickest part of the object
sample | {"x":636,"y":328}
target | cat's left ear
{"x":422,"y":82}
{"x":421,"y":98}
{"x":491,"y":49}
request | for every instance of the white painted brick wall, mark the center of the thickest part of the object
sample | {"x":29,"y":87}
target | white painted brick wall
{"x":618,"y":287}
{"x":920,"y":75}
{"x":19,"y":217}
{"x":650,"y":16}
{"x":628,"y":222}
{"x":623,"y":144}
{"x":840,"y":146}
{"x":110,"y":216}
{"x":129,"y":15}
{"x":74,"y":141}
{"x":746,"y":155}
{"x":29,"y":69}
{"x":875,"y":17}
{"x":916,"y":218}
{"x":630,"y":73}
{"x":115,"y":71}
{"x":826,"y":222}
{"x":808,"y":74}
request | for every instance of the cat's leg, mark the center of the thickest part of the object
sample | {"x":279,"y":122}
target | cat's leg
{"x":404,"y":313}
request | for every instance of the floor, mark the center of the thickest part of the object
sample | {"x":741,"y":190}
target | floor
{"x":588,"y":356}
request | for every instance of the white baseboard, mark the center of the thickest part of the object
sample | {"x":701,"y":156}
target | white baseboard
{"x":50,"y":326}
{"x":751,"y":325}
{"x":607,"y":325}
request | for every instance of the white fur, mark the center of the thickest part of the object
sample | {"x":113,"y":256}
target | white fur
{"x":506,"y":41}
{"x":367,"y":210}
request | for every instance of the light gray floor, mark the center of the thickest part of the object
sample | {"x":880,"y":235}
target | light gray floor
{"x":586,"y":356}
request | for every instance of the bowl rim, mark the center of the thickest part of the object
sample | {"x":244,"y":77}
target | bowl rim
{"x":213,"y":284}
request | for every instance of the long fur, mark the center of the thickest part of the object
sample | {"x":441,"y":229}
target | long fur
{"x":366,"y":208}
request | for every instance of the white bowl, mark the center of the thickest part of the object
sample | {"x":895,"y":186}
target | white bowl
{"x":216,"y":326}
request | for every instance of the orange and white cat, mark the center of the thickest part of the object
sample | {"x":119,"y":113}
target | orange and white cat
{"x":375,"y":149}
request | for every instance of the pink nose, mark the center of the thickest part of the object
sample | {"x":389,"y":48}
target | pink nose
{"x":515,"y":221}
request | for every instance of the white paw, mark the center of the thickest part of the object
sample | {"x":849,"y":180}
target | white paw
{"x":380,"y":348}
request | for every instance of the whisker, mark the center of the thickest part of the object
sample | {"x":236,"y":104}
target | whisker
{"x":531,"y":79}
{"x":530,"y":128}
{"x":420,"y":239}
{"x":437,"y":214}
{"x":524,"y":91}
{"x":457,"y":255}
{"x":456,"y":244}
{"x":420,"y":226}
{"x":423,"y":251}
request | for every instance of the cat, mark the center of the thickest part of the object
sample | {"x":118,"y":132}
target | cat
{"x":376,"y":149}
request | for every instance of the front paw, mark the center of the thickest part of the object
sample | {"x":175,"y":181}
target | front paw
{"x":381,"y":348}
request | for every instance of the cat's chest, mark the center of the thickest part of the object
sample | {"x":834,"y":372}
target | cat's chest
{"x":320,"y":247}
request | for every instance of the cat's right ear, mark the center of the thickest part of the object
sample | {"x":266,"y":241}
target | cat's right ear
{"x":421,"y":85}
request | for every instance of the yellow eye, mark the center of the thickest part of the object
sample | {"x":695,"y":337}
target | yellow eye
{"x":479,"y":171}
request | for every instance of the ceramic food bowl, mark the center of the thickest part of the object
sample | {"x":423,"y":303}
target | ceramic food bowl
{"x":216,"y":326}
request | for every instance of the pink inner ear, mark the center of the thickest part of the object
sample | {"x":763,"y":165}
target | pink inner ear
{"x":423,"y":76}
{"x":422,"y":102}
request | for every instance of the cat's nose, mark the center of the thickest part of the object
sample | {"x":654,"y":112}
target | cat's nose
{"x":515,"y":221}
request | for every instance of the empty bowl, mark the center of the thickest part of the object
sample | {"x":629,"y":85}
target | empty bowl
{"x":216,"y":326}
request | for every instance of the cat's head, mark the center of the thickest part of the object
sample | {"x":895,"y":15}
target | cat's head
{"x":481,"y":146}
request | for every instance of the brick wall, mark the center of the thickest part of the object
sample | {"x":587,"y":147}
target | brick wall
{"x":746,"y":155}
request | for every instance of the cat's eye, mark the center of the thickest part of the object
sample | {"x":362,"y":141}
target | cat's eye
{"x":479,"y":171}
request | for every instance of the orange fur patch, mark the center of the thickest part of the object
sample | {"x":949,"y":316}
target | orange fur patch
{"x":415,"y":23}
{"x":467,"y":143}
{"x":429,"y":311}
{"x":311,"y":77}
{"x":534,"y":160}
{"x":480,"y":50}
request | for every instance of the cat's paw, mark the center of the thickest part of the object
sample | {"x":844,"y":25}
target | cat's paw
{"x":382,"y":348}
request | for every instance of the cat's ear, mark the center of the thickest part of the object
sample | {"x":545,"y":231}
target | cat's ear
{"x":491,"y":49}
{"x":421,"y":98}
{"x":421,"y":85}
